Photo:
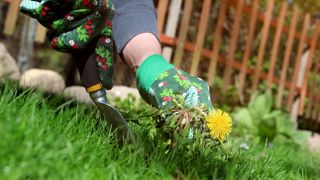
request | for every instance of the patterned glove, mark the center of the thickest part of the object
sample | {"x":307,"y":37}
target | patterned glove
{"x":74,"y":25}
{"x":45,"y":11}
{"x":159,"y":83}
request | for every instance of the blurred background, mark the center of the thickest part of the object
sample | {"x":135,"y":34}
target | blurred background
{"x":239,"y":46}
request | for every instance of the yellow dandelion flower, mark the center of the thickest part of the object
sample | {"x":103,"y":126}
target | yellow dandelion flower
{"x":219,"y":124}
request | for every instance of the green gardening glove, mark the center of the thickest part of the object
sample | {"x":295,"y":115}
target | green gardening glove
{"x":184,"y":101}
{"x":77,"y":24}
{"x":160,"y":83}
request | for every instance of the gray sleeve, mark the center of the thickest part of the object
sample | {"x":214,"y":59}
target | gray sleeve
{"x":133,"y":17}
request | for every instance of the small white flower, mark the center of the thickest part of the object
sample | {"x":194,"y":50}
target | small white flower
{"x":190,"y":133}
{"x":244,"y":146}
{"x":71,"y":42}
{"x":107,"y":40}
{"x":70,"y":18}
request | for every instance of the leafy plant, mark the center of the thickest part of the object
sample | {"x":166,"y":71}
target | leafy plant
{"x":260,"y":120}
{"x":180,"y":127}
{"x":41,"y":139}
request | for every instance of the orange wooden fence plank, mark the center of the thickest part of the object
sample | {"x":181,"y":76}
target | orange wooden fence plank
{"x":40,"y":34}
{"x":248,"y":46}
{"x":233,"y":45}
{"x":310,"y":62}
{"x":171,"y":26}
{"x":317,"y":119}
{"x":316,"y":111}
{"x":310,"y":97}
{"x":262,"y":47}
{"x":311,"y":94}
{"x":314,"y":115}
{"x":217,"y":42}
{"x":161,"y":13}
{"x":261,"y":17}
{"x":188,"y":46}
{"x":286,"y":60}
{"x":183,"y":32}
{"x":301,"y":47}
{"x":204,"y":18}
{"x":276,"y":42}
{"x":11,"y":18}
{"x":314,"y":104}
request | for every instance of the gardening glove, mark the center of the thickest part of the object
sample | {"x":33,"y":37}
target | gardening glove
{"x":160,"y":83}
{"x":45,"y":11}
{"x":74,"y":25}
{"x":48,"y":11}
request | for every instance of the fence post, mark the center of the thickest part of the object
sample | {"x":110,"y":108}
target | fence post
{"x":171,"y":26}
{"x":161,"y":13}
{"x":40,"y":36}
{"x":203,"y":24}
{"x":298,"y":59}
{"x":313,"y":46}
{"x":183,"y":32}
{"x":11,"y":17}
{"x":233,"y":45}
{"x":26,"y":43}
{"x":299,"y":83}
{"x":276,"y":42}
{"x":286,"y":60}
{"x":313,"y":107}
{"x":248,"y":46}
{"x":217,"y":42}
{"x":262,"y":47}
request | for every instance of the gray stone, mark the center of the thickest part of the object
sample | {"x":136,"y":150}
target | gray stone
{"x":46,"y":80}
{"x":123,"y":92}
{"x":77,"y":93}
{"x":8,"y":66}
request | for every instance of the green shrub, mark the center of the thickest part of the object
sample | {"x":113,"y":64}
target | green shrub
{"x":260,"y":120}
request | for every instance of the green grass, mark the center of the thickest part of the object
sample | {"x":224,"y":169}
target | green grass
{"x":42,"y":138}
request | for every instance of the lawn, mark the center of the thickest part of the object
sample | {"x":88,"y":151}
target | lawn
{"x":44,"y":137}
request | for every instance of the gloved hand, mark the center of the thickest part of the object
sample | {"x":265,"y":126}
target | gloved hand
{"x":46,"y":11}
{"x":184,"y":100}
{"x":159,"y":83}
{"x":74,"y":25}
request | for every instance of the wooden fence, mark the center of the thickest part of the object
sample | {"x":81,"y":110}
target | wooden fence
{"x":286,"y":59}
{"x":247,"y":46}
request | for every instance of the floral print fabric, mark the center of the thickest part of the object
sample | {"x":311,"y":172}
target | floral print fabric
{"x":76,"y":24}
{"x":175,"y":82}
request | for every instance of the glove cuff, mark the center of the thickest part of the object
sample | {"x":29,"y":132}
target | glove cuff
{"x":149,"y":70}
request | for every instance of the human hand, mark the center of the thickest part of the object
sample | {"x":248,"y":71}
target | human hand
{"x":175,"y":82}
